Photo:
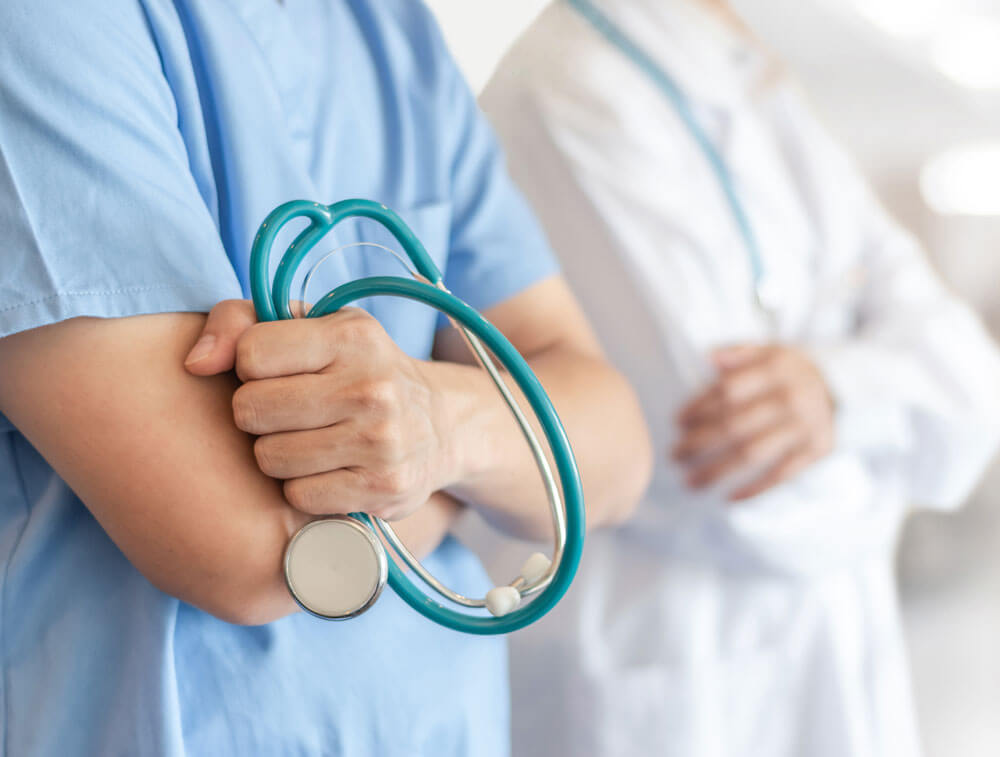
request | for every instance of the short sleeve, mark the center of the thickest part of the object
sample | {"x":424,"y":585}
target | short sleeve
{"x":497,"y":247}
{"x":99,"y":211}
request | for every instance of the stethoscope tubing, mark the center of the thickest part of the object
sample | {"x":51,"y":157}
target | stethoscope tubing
{"x":272,"y":302}
{"x":682,"y":105}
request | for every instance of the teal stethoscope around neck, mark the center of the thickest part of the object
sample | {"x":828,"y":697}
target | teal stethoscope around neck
{"x":336,"y":567}
{"x":682,"y":105}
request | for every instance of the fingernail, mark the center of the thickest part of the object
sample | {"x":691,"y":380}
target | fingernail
{"x":201,"y":350}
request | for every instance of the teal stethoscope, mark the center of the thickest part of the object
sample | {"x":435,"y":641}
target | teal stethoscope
{"x":336,"y":567}
{"x":682,"y":105}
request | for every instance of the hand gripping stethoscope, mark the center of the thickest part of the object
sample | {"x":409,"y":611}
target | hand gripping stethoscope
{"x":676,"y":96}
{"x":336,"y":567}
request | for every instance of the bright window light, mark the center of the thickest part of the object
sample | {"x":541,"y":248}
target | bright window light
{"x":479,"y":33}
{"x":967,"y":50}
{"x":909,"y":19}
{"x":963,"y":180}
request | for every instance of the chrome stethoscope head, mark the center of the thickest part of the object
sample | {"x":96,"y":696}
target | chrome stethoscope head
{"x":335,"y":568}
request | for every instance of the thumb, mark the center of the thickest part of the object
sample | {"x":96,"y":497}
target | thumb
{"x":215,"y":350}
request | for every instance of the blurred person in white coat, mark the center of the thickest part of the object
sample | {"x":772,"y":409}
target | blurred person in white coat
{"x":749,"y":607}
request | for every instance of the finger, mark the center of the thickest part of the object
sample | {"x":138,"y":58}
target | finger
{"x":789,"y":466}
{"x":291,"y":403}
{"x":742,"y":423}
{"x":350,"y":490}
{"x":729,"y":392}
{"x":215,"y":350}
{"x":761,"y":449}
{"x":298,"y":454}
{"x":303,"y":345}
{"x":737,"y":355}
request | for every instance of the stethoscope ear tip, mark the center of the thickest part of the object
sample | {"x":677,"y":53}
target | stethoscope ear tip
{"x":534,"y":568}
{"x":501,"y":600}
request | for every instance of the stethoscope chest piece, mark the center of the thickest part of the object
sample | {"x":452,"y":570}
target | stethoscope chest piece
{"x":335,"y":568}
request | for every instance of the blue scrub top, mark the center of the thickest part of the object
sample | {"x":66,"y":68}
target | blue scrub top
{"x":140,"y":145}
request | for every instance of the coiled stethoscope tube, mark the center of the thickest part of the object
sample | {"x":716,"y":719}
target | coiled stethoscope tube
{"x":546,"y":580}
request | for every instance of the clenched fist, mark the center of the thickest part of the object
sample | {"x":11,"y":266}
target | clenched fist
{"x":342,"y":415}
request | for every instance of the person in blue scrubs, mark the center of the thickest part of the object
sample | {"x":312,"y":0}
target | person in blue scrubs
{"x":142,"y":610}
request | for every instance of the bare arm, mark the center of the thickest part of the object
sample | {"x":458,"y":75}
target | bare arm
{"x":595,"y":403}
{"x":350,"y":422}
{"x":154,"y":454}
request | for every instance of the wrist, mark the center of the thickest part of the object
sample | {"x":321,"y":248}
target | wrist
{"x":456,"y":410}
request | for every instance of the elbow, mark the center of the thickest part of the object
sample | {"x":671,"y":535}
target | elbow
{"x":252,"y":610}
{"x":255,"y":597}
{"x":628,"y":488}
{"x":249,"y":607}
{"x":629,"y":471}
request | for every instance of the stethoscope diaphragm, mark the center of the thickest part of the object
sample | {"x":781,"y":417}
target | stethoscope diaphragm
{"x":335,"y":567}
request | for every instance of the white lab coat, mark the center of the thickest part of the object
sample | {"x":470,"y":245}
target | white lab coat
{"x":702,"y":628}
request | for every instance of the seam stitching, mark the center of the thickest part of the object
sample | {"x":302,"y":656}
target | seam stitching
{"x":106,"y":292}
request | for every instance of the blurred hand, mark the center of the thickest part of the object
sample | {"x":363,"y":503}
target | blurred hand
{"x":342,"y":415}
{"x":769,"y":410}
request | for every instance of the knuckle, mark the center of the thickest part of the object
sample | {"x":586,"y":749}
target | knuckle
{"x":392,"y":482}
{"x":248,"y":356}
{"x":313,"y":337}
{"x":359,"y":325}
{"x":378,"y":395}
{"x":244,"y":410}
{"x":385,"y":440}
{"x":228,"y":308}
{"x":302,"y":495}
{"x":270,"y":457}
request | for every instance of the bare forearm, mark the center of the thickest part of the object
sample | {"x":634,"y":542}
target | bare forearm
{"x":349,"y":422}
{"x":155,"y":456}
{"x":492,"y":467}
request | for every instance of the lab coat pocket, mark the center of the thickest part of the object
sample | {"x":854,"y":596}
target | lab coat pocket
{"x":410,"y":324}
